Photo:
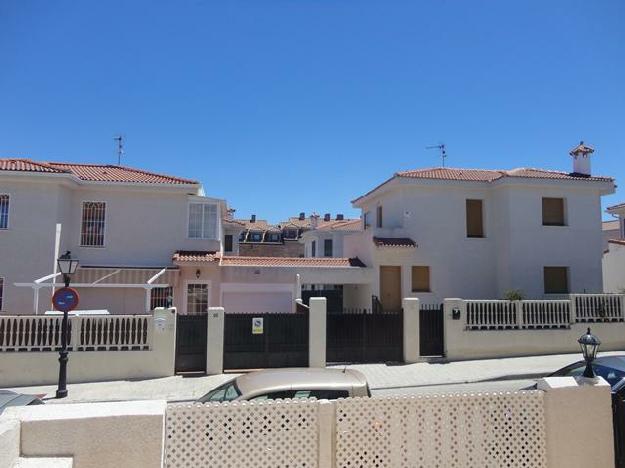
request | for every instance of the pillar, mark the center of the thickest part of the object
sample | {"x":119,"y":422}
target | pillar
{"x":215,"y":341}
{"x":317,"y":332}
{"x":412,"y":308}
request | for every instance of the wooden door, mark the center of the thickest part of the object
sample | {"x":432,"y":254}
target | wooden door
{"x":390,"y":287}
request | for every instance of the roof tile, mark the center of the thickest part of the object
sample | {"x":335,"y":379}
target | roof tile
{"x":394,"y":242}
{"x":328,"y":262}
{"x":195,"y":256}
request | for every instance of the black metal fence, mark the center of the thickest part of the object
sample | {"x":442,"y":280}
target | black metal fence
{"x":431,"y":330}
{"x":254,"y":341}
{"x":191,"y":340}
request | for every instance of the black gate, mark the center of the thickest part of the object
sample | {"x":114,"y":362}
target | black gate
{"x":431,"y":339}
{"x":191,"y":343}
{"x":365,"y":336}
{"x":280,"y":340}
{"x":334,"y":297}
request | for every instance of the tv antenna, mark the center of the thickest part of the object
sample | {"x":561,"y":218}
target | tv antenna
{"x":442,"y":149}
{"x":120,"y":148}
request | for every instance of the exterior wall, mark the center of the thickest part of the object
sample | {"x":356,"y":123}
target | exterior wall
{"x":513,"y":252}
{"x":144,"y":226}
{"x":19,"y":369}
{"x":614,"y":269}
{"x":319,"y":236}
{"x":286,"y":249}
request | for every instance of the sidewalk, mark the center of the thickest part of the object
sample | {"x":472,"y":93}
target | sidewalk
{"x":380,"y":376}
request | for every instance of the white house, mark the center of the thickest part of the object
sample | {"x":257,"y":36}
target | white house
{"x":143,"y":240}
{"x":474,"y":233}
{"x":614,"y":256}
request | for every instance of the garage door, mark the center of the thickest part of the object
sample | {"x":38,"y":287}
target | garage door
{"x":257,"y":302}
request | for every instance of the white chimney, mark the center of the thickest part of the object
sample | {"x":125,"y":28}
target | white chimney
{"x":314,"y":221}
{"x":581,"y":159}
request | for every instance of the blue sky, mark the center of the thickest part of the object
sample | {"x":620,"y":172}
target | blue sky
{"x":282,"y":106}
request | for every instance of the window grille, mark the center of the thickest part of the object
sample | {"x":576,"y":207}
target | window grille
{"x":1,"y":291}
{"x":202,"y":221}
{"x":93,"y":224}
{"x":161,"y":297}
{"x":197,"y":298}
{"x":4,"y":211}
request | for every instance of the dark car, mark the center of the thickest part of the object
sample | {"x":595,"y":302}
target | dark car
{"x":10,"y":398}
{"x":612,"y":369}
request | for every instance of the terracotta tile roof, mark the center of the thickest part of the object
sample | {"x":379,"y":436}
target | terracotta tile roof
{"x":195,"y":256}
{"x":94,"y":172}
{"x":610,"y":225}
{"x":234,"y":221}
{"x":394,"y":242}
{"x":616,"y":207}
{"x":258,"y":225}
{"x":327,"y":262}
{"x":295,"y":221}
{"x":617,"y":241}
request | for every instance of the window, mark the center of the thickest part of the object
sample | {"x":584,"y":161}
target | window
{"x":366,"y":220}
{"x":313,"y":249}
{"x":420,"y":279}
{"x":321,"y":394}
{"x":228,"y":243}
{"x":226,"y":392}
{"x":290,"y":234}
{"x":379,"y":216}
{"x":197,"y":298}
{"x":274,"y":237}
{"x":161,"y":297}
{"x":327,"y":247}
{"x":475,"y":218}
{"x":283,"y":394}
{"x":202,"y":221}
{"x":1,"y":291}
{"x":255,"y":237}
{"x":553,"y":211}
{"x":93,"y":224}
{"x":556,"y":280}
{"x":4,"y":211}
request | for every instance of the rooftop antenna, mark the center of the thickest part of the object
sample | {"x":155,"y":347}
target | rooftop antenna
{"x":120,"y":148}
{"x":442,"y":149}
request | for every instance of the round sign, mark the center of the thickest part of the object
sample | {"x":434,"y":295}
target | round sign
{"x":65,"y":299}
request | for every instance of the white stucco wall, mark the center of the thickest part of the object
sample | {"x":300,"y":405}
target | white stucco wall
{"x":514,"y":251}
{"x":614,"y":269}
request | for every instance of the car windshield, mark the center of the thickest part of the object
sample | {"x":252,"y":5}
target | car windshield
{"x":611,"y":375}
{"x":225,"y":392}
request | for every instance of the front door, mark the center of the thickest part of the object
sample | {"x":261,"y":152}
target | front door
{"x":390,"y":287}
{"x":191,"y":329}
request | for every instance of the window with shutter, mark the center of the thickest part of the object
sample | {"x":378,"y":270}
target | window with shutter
{"x":556,"y":280}
{"x":379,"y":216}
{"x":420,"y":279}
{"x":553,"y":212}
{"x":475,"y":218}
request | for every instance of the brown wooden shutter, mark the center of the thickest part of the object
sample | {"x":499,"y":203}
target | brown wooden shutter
{"x":556,"y":280}
{"x":553,"y":212}
{"x":475,"y":219}
{"x":420,"y":279}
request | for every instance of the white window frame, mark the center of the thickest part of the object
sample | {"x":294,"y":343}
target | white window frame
{"x":203,"y":235}
{"x":171,"y":288}
{"x":8,"y":212}
{"x":185,"y":295}
{"x":82,"y":204}
{"x":2,"y":291}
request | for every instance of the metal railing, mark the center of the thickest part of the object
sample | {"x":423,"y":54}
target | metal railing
{"x":489,"y":315}
{"x":598,"y":307}
{"x":85,"y":333}
{"x":545,"y":314}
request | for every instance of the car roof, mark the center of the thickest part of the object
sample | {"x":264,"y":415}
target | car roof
{"x":299,"y":378}
{"x":9,"y":398}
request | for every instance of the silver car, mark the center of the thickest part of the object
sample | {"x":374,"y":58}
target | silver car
{"x":272,"y":384}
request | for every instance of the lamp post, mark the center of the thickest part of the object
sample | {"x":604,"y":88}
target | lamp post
{"x":589,"y":344}
{"x":65,"y":299}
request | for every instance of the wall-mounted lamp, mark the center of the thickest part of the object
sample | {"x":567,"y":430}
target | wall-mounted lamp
{"x":198,"y":273}
{"x":455,"y":313}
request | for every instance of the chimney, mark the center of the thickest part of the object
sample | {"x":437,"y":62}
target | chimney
{"x":326,"y":217}
{"x":581,"y":159}
{"x":340,"y":217}
{"x":253,"y":218}
{"x":302,"y":216}
{"x":230,"y":213}
{"x":314,"y":221}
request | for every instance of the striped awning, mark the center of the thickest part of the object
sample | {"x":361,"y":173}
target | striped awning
{"x":124,"y":275}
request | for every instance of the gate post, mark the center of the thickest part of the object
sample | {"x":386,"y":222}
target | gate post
{"x":215,"y":341}
{"x":412,"y":309}
{"x":317,"y":332}
{"x":455,"y":323}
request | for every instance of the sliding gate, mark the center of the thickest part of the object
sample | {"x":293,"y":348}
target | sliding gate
{"x":365,"y":336}
{"x":256,"y":341}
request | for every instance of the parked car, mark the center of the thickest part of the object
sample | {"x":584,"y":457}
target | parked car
{"x":10,"y":398}
{"x":612,"y":369}
{"x":272,"y":384}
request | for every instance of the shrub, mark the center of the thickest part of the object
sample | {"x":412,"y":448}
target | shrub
{"x":513,"y":295}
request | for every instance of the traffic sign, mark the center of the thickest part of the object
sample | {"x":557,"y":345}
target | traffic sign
{"x":65,"y":299}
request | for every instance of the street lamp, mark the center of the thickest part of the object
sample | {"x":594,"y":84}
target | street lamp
{"x":589,"y":344}
{"x":65,"y":299}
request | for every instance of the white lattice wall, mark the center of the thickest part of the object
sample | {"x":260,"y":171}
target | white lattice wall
{"x":280,"y":434}
{"x":445,"y":431}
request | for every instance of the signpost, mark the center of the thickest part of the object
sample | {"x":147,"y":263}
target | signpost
{"x":257,"y":326}
{"x":65,"y":299}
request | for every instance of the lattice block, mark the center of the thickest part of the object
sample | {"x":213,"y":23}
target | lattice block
{"x":444,"y":431}
{"x":277,"y":434}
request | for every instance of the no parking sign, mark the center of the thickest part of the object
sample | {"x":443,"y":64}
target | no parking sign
{"x":257,"y":326}
{"x":65,"y":299}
